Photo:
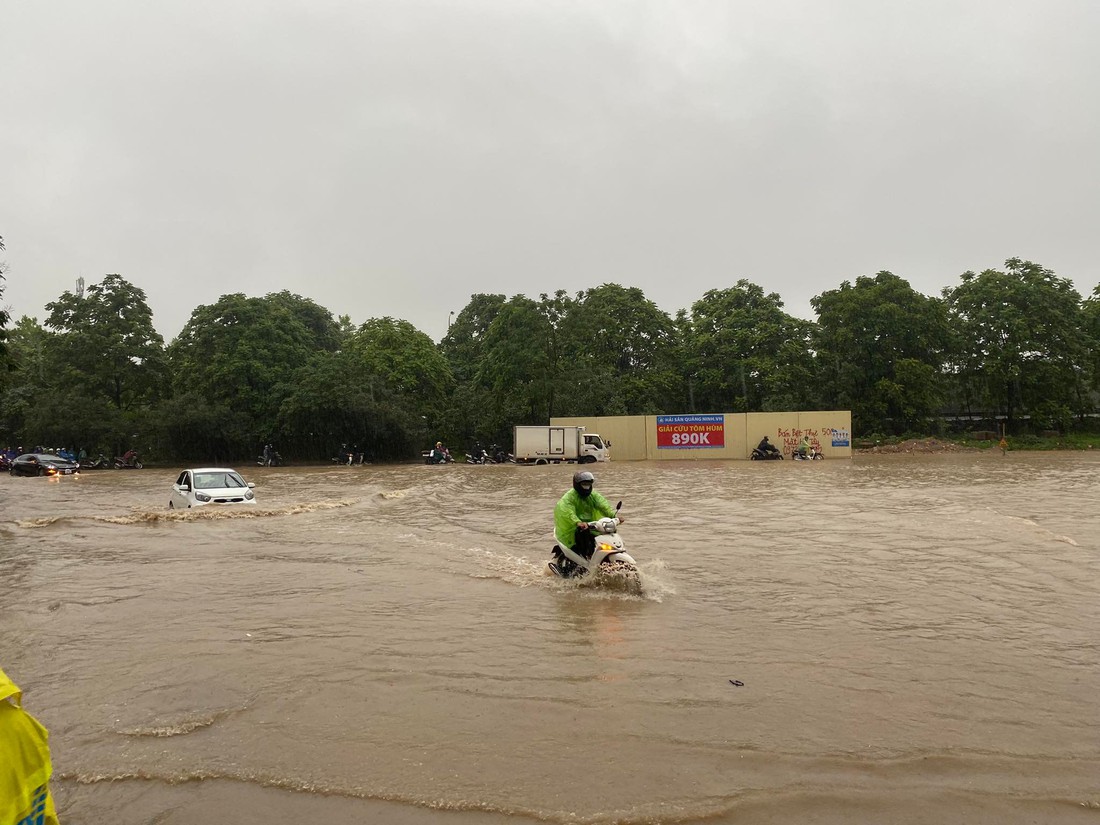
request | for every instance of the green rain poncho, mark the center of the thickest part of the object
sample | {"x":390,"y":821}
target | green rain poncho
{"x":571,"y":509}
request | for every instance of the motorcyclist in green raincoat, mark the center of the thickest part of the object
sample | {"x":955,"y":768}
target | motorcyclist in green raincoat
{"x":575,"y":510}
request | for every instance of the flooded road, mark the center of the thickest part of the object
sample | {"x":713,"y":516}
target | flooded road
{"x":916,"y":638}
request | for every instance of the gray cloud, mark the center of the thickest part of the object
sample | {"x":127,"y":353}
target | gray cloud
{"x":391,"y":158}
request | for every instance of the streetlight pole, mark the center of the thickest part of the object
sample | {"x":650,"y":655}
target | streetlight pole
{"x":449,"y":317}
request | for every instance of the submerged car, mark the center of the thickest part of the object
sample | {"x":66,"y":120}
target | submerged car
{"x":43,"y":464}
{"x":210,"y":485}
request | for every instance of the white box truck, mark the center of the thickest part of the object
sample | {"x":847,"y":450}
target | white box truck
{"x":554,"y":445}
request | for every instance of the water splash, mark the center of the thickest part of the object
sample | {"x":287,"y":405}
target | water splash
{"x":208,"y":513}
{"x":35,"y":523}
{"x":651,"y":583}
{"x":181,"y":727}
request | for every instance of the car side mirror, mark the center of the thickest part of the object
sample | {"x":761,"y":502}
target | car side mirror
{"x":184,"y":488}
{"x":251,"y":484}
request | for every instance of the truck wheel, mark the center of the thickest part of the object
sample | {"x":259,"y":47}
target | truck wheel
{"x":540,"y":461}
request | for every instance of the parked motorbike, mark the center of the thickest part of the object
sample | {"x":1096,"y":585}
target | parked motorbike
{"x":101,"y":462}
{"x":765,"y":455}
{"x":608,"y":559}
{"x":347,"y":457}
{"x":479,"y":458}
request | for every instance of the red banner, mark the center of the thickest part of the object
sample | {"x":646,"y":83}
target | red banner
{"x":690,"y":432}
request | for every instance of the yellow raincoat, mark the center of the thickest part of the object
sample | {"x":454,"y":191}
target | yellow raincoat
{"x":24,"y":763}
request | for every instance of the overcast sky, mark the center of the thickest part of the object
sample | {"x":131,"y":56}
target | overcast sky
{"x":393,"y":157}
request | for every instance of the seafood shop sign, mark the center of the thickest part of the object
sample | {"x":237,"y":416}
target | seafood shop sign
{"x":690,"y":432}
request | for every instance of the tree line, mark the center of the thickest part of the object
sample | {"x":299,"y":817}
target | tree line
{"x":1018,"y":343}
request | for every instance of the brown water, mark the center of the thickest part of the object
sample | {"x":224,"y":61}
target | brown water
{"x":917,"y":638}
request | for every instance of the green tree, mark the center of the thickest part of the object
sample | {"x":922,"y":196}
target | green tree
{"x":464,"y":344}
{"x":745,"y":353}
{"x":107,"y":344}
{"x":628,"y":347}
{"x":382,"y":392}
{"x":1024,"y":345}
{"x":29,"y":351}
{"x":880,"y":349}
{"x":1091,"y":311}
{"x":28,"y":378}
{"x":473,"y":411}
{"x":4,"y":318}
{"x":241,"y":356}
{"x":401,"y":357}
{"x":337,"y":401}
{"x":43,"y":405}
{"x":525,"y":363}
{"x":324,"y":333}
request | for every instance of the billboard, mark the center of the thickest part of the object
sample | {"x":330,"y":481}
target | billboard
{"x":691,"y":432}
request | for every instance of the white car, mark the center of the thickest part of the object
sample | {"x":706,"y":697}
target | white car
{"x":210,"y":485}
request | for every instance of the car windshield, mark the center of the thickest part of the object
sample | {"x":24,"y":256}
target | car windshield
{"x":218,"y":481}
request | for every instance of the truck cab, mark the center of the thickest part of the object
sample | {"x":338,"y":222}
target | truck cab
{"x":595,"y":449}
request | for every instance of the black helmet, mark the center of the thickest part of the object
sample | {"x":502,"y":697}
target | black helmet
{"x":582,"y":483}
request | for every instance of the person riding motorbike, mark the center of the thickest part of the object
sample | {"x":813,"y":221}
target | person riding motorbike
{"x":804,"y":448}
{"x":765,"y":446}
{"x":130,"y":457}
{"x":576,"y":510}
{"x":438,"y":454}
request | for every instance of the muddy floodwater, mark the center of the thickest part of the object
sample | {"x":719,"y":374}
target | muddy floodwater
{"x":890,"y":639}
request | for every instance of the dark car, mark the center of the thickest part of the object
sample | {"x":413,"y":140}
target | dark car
{"x":43,"y":464}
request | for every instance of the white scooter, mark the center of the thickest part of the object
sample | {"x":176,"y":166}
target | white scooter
{"x":609,"y":557}
{"x":814,"y":455}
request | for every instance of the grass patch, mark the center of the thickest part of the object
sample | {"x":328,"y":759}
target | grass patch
{"x":1069,"y":441}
